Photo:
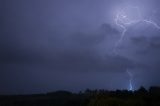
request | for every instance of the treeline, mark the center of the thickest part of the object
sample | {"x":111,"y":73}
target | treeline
{"x":140,"y":97}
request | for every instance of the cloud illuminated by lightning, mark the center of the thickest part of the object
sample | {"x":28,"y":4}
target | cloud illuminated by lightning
{"x":127,"y":17}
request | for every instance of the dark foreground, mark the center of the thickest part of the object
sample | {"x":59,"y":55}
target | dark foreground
{"x":141,"y":97}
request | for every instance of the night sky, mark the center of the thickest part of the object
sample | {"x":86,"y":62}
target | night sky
{"x":49,"y":45}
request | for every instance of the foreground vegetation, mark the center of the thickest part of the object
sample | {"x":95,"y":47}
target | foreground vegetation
{"x":141,"y":97}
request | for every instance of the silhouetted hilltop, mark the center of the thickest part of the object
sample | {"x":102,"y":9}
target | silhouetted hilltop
{"x":140,"y":97}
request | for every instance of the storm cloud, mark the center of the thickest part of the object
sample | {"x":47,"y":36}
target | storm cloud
{"x":47,"y":45}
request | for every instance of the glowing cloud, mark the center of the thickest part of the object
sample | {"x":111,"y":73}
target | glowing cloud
{"x":127,"y":17}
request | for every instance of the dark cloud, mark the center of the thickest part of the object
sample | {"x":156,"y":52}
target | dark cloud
{"x":90,"y":62}
{"x":148,"y":44}
{"x":108,"y":29}
{"x":155,"y":42}
{"x":81,"y":55}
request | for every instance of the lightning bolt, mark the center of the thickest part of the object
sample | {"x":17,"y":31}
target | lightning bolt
{"x":122,"y":20}
{"x":152,"y":23}
{"x":130,"y":80}
{"x":118,"y":23}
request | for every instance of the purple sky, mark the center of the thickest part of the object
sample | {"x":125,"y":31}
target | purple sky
{"x":48,"y":45}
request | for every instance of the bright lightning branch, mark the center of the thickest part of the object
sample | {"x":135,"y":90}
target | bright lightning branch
{"x":127,"y":17}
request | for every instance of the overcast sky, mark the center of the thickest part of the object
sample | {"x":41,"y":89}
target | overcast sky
{"x":48,"y":45}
